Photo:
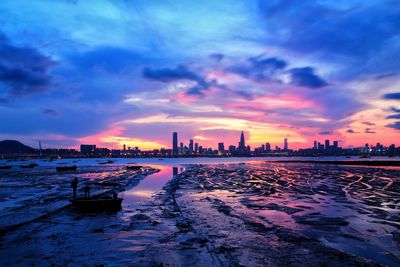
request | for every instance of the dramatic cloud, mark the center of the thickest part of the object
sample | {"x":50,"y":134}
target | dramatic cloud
{"x":369,"y":131}
{"x":167,"y":75}
{"x":306,"y":77}
{"x":395,"y":125}
{"x":258,"y":68}
{"x":326,"y":133}
{"x":134,"y":71}
{"x":23,"y":70}
{"x":392,"y":96}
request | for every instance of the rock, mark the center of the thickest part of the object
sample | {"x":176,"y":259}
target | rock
{"x":141,"y":217}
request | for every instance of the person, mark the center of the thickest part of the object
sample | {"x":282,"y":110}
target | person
{"x":86,"y":190}
{"x":74,"y":185}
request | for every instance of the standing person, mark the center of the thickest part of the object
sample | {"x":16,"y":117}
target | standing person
{"x":74,"y":185}
{"x":86,"y":190}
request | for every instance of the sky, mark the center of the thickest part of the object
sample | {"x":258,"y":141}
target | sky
{"x":132,"y":72}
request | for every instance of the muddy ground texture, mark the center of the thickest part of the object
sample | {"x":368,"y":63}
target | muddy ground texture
{"x":231,"y":215}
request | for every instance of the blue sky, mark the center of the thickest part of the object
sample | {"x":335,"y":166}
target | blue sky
{"x":114,"y":72}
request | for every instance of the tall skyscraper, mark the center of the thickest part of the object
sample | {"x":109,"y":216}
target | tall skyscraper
{"x":285,"y":144}
{"x":242,"y":145}
{"x":327,"y":145}
{"x":315,"y":144}
{"x":196,"y":147}
{"x":335,"y":144}
{"x":221,"y":147}
{"x":268,"y":147}
{"x":191,"y":145}
{"x":175,"y":144}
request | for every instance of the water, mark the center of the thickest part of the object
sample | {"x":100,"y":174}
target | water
{"x":367,"y":197}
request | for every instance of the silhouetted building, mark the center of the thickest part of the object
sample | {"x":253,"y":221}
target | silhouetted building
{"x":327,"y":145}
{"x":221,"y":148}
{"x":88,"y":150}
{"x":335,"y":144}
{"x":191,"y":145}
{"x":315,"y":144}
{"x":242,"y":144}
{"x":196,"y":147}
{"x":175,"y":151}
{"x":285,"y":144}
{"x":268,"y":147}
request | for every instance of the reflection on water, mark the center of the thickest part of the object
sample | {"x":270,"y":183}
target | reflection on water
{"x":149,"y":186}
{"x":355,"y":209}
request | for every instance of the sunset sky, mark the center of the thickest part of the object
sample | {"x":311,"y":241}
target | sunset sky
{"x":132,"y":72}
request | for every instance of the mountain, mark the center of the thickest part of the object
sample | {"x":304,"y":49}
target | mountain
{"x":13,"y":146}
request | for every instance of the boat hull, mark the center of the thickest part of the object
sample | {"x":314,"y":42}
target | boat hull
{"x":97,"y":204}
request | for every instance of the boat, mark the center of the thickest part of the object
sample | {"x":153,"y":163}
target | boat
{"x":5,"y":167}
{"x":97,"y":204}
{"x":29,"y":166}
{"x":134,"y":167}
{"x":67,"y":168}
{"x":106,"y":162}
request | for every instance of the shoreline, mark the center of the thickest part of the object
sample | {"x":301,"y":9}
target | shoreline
{"x":382,"y":163}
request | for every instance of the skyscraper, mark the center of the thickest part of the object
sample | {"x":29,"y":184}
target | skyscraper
{"x":315,"y":144}
{"x":285,"y":144}
{"x":191,"y":145}
{"x":268,"y":147}
{"x":242,"y":145}
{"x":327,"y":145}
{"x":221,"y":147}
{"x":175,"y":144}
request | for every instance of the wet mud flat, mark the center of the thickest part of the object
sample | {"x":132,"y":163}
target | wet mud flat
{"x":29,"y":194}
{"x":262,"y":214}
{"x":288,"y":214}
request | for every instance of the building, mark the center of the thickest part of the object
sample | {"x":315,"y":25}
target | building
{"x":335,"y":144}
{"x":285,"y":144}
{"x":196,"y":147}
{"x":191,"y":145}
{"x":268,"y":147}
{"x":221,"y":148}
{"x":327,"y":145}
{"x":315,"y":144}
{"x":242,"y":144}
{"x":88,"y":150}
{"x":175,"y":151}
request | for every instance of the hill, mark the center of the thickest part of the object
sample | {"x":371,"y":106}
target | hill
{"x":13,"y":146}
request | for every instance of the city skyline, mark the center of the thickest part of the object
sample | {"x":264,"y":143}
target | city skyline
{"x":120,"y":72}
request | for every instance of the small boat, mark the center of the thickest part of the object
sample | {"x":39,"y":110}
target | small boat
{"x":29,"y":166}
{"x":106,"y":162}
{"x":5,"y":167}
{"x":67,"y":168}
{"x":97,"y":204}
{"x":134,"y":167}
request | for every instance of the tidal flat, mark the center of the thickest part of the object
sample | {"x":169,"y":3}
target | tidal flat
{"x":241,"y":214}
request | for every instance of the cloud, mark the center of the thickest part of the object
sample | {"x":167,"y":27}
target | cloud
{"x":306,"y":77}
{"x":23,"y":70}
{"x":392,"y":96}
{"x":181,"y":72}
{"x":368,"y":123}
{"x":369,"y":131}
{"x":259,"y":68}
{"x":217,"y":56}
{"x":50,"y":112}
{"x":350,"y":131}
{"x":170,"y":74}
{"x":395,"y":125}
{"x":395,"y":116}
{"x":326,"y":133}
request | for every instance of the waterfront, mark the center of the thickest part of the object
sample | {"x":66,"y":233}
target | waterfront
{"x":222,"y":212}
